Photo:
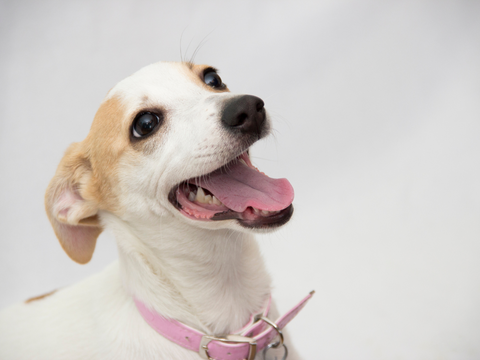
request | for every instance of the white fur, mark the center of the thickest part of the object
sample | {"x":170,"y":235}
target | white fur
{"x":209,"y":275}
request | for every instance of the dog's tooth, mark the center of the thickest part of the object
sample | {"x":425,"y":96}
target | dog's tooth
{"x":265,"y":212}
{"x":200,"y":195}
{"x":216,"y":201}
{"x":256,"y":211}
{"x":243,"y":162}
{"x":191,"y":196}
{"x":208,"y":199}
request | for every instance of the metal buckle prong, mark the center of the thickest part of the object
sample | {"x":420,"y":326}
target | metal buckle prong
{"x":203,"y":350}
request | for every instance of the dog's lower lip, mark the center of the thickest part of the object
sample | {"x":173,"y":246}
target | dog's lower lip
{"x":257,"y":222}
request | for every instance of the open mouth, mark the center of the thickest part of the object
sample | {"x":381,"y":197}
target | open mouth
{"x":238,"y":191}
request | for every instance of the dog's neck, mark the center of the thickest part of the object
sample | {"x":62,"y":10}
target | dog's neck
{"x":212,"y":280}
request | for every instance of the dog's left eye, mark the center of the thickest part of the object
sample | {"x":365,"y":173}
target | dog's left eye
{"x":144,"y":124}
{"x":212,"y":79}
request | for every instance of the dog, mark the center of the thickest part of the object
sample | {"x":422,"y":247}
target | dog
{"x":166,"y":168}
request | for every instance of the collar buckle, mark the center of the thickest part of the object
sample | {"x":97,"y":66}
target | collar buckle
{"x":237,"y":339}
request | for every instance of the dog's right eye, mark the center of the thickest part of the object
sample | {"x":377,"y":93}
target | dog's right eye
{"x":144,"y":124}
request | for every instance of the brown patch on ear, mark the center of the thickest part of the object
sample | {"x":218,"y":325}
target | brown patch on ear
{"x":40,"y":297}
{"x":85,"y":182}
{"x":195,"y":72}
{"x":68,"y":208}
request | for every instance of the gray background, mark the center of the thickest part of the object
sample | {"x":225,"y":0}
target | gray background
{"x":377,"y":115}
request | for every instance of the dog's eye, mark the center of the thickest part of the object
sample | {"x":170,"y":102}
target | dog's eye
{"x":212,"y":79}
{"x":144,"y":124}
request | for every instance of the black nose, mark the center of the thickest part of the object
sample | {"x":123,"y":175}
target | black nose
{"x":244,"y":113}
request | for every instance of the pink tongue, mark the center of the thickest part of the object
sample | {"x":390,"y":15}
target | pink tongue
{"x":241,"y":186}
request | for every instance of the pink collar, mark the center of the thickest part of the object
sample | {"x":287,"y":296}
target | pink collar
{"x":257,"y":334}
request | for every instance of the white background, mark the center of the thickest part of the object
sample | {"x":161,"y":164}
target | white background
{"x":376,"y":108}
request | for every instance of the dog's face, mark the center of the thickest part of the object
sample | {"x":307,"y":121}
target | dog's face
{"x":168,"y":141}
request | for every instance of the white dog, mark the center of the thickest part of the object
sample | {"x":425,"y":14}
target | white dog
{"x":166,"y":168}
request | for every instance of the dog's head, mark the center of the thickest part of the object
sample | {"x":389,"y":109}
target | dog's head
{"x":168,"y":142}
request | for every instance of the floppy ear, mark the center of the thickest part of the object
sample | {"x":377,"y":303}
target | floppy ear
{"x":73,"y":217}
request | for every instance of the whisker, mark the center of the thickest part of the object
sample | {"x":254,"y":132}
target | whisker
{"x":181,"y":40}
{"x":199,"y":46}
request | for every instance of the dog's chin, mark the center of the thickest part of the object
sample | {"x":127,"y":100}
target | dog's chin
{"x":236,"y":192}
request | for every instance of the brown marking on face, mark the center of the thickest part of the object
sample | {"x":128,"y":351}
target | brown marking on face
{"x":105,"y":144}
{"x":40,"y":297}
{"x":195,"y":73}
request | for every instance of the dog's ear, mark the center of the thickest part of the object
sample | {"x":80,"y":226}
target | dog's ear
{"x":72,"y":212}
